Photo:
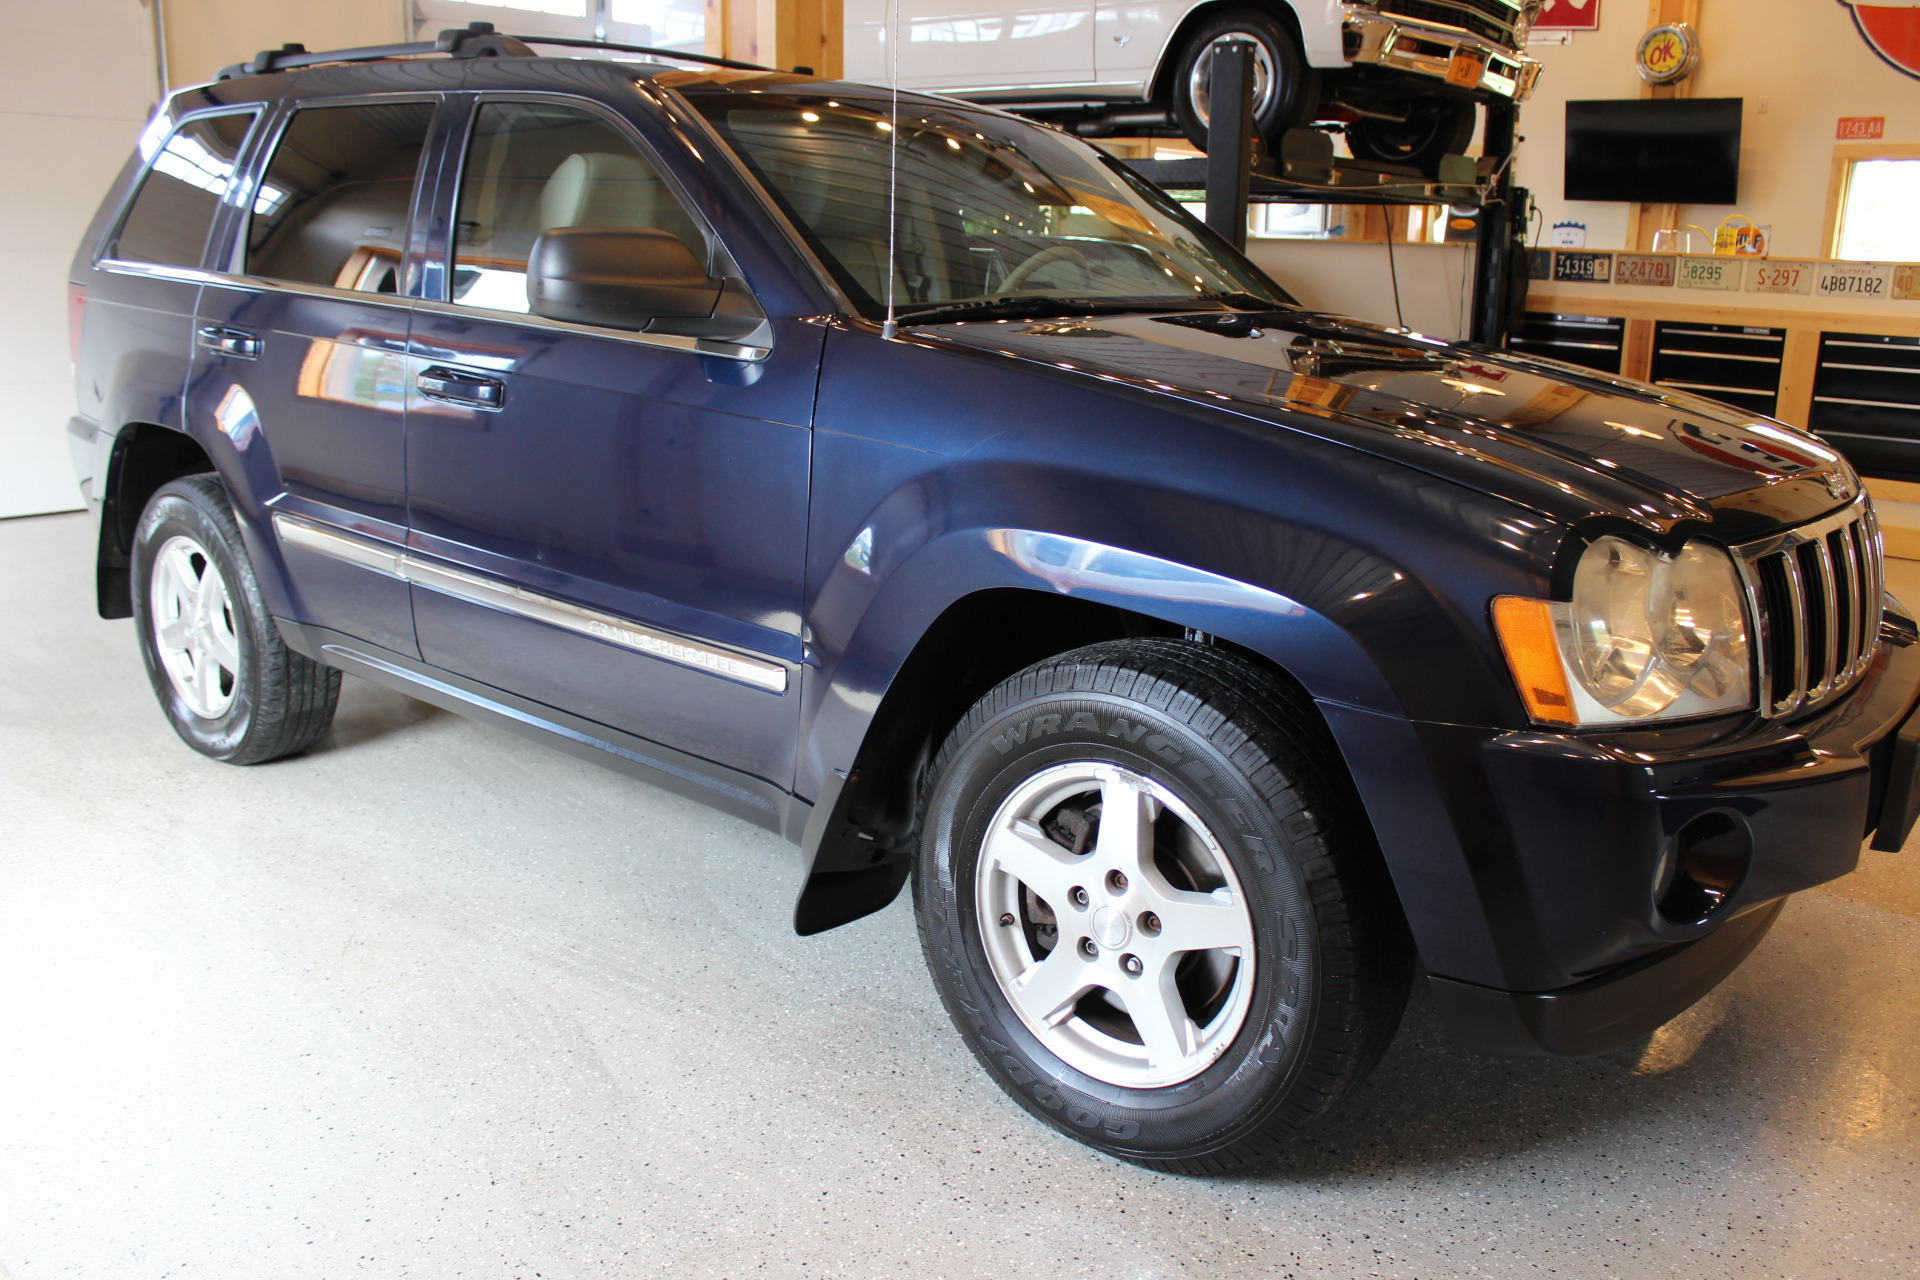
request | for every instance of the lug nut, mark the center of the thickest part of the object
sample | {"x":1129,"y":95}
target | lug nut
{"x":1006,"y":918}
{"x":1131,"y":963}
{"x":1149,"y":923}
{"x":1117,"y":881}
{"x":1087,"y":948}
{"x":1079,"y":896}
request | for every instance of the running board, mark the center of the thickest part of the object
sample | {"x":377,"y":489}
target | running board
{"x":741,"y":794}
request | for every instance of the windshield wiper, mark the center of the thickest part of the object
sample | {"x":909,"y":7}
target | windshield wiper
{"x":1026,"y":306}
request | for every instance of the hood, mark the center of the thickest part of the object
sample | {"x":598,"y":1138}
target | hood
{"x":1572,"y":444}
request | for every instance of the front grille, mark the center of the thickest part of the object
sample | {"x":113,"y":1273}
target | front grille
{"x":1490,"y":19}
{"x":1815,"y":592}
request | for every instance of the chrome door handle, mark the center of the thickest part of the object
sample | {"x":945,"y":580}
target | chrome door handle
{"x":233,"y":342}
{"x":455,"y":387}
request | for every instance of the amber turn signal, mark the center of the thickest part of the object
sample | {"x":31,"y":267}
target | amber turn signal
{"x":1525,"y":628}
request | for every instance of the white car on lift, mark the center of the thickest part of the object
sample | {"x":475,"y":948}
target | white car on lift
{"x":1402,"y":76}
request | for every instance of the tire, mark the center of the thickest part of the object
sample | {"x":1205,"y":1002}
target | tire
{"x":1258,"y":843}
{"x":1285,"y":87}
{"x":1435,"y":127}
{"x":229,"y":686}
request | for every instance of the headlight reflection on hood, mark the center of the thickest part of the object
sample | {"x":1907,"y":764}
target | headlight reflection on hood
{"x":1646,"y":637}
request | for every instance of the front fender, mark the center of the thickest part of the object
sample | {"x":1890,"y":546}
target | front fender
{"x":900,"y":610}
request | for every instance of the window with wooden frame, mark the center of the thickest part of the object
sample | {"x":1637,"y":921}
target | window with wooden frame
{"x":1870,"y":201}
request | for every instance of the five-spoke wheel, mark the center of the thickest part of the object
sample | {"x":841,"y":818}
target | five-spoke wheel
{"x":192,"y":622}
{"x":1119,"y":931}
{"x":228,"y":683}
{"x":1151,"y":906}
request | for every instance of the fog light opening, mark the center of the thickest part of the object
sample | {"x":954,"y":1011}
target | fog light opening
{"x":1702,"y":867}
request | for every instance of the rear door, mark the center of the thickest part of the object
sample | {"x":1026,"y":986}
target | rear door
{"x":608,"y":522}
{"x":301,"y":354}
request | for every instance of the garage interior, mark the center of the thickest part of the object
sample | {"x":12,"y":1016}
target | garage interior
{"x":426,"y":1002}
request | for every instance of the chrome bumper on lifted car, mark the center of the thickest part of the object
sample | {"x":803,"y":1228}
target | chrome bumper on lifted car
{"x":1647,"y":865}
{"x":1447,"y":53}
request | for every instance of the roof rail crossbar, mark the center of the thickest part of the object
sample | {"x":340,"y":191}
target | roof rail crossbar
{"x":475,"y":40}
{"x":705,"y":59}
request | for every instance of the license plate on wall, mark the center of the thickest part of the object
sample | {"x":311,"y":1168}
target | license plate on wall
{"x":1467,"y":67}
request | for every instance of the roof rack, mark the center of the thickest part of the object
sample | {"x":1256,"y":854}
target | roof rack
{"x":705,"y":59}
{"x":475,"y":40}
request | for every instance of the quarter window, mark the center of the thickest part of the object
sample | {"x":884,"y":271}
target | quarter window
{"x":171,"y":215}
{"x":535,"y":166}
{"x":334,"y":204}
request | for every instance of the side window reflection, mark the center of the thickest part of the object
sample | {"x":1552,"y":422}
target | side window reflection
{"x":535,"y":166}
{"x":334,"y":204}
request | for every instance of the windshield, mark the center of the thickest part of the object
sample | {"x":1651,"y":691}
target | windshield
{"x":991,"y":211}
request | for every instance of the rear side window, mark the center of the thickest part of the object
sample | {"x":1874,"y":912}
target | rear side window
{"x":535,"y":166}
{"x":334,"y":204}
{"x":168,"y":222}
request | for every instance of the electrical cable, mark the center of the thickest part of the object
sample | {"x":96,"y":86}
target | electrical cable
{"x":1393,"y":271}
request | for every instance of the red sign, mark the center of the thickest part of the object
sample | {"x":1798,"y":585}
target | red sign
{"x":1892,"y":31}
{"x":1861,"y":128}
{"x":1569,"y":15}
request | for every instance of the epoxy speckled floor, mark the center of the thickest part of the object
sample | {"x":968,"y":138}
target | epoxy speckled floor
{"x":432,"y":1002}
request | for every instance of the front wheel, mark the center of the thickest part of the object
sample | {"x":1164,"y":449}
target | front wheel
{"x":1152,"y":908}
{"x":228,"y":684}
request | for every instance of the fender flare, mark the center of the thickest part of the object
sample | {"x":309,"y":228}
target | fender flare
{"x":847,"y":873}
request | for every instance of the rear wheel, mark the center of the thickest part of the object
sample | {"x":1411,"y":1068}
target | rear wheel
{"x":1285,"y":88}
{"x":1152,"y":908}
{"x":231,"y":689}
{"x":1434,"y":128}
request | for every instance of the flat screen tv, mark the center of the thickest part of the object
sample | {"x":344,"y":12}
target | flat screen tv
{"x":1654,"y":150}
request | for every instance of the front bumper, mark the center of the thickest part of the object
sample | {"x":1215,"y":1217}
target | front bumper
{"x":1439,"y":53}
{"x":1570,"y":842}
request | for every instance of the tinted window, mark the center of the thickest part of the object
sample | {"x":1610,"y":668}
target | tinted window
{"x":334,"y":204}
{"x":988,"y":207}
{"x":534,"y":166}
{"x":173,"y":212}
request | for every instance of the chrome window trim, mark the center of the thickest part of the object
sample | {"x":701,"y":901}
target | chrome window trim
{"x":670,"y":341}
{"x":228,"y":280}
{"x":396,"y":562}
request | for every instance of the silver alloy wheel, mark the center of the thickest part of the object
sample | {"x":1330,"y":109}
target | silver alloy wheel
{"x":1201,"y":74}
{"x":1115,"y":925}
{"x":193,"y":628}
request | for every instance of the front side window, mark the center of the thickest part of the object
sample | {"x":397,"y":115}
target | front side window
{"x":334,"y":205}
{"x":989,"y":209}
{"x":536,"y":166}
{"x":172,"y":213}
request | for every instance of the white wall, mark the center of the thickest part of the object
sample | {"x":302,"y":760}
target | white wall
{"x":1355,"y":278}
{"x":77,"y":82}
{"x":1799,"y":64}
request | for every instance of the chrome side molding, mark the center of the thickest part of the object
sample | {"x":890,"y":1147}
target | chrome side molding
{"x":337,"y":544}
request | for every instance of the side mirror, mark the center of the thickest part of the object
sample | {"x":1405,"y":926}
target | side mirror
{"x":635,"y":278}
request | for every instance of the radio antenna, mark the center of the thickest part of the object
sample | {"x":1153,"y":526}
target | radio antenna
{"x":890,"y":329}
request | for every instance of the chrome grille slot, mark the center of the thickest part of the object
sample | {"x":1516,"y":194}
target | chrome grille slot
{"x":1814,"y":593}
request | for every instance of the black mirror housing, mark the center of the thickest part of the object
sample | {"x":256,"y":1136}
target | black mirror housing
{"x":637,"y":278}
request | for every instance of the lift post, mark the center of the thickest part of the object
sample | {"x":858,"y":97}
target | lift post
{"x":1230,"y":139}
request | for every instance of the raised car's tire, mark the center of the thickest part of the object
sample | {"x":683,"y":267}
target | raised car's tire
{"x":1187,"y":988}
{"x":1285,"y":88}
{"x":1434,"y":127}
{"x":231,"y":689}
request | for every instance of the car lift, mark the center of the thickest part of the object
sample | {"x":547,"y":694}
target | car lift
{"x":1235,"y":172}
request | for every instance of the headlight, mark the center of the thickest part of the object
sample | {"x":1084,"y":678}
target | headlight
{"x":1645,"y":637}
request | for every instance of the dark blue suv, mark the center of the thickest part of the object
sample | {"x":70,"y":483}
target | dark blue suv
{"x":1205,"y":662}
